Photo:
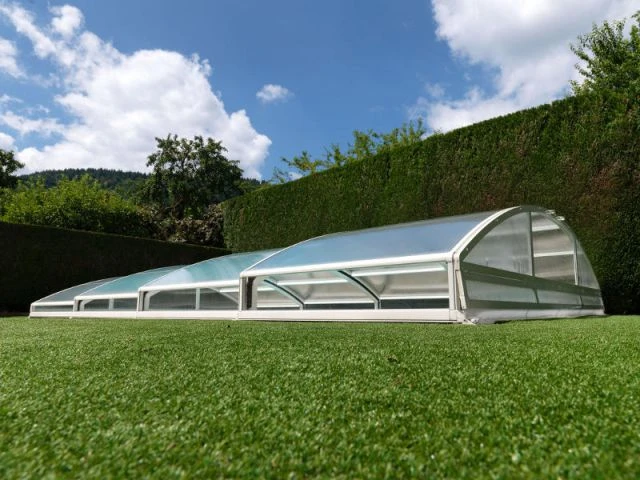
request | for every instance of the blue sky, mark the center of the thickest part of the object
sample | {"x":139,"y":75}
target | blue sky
{"x":90,"y":84}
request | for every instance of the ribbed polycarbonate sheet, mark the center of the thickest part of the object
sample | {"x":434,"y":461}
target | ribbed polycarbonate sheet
{"x":130,"y":283}
{"x":404,"y":240}
{"x":219,"y":269}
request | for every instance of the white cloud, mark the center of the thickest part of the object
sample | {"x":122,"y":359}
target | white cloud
{"x":526,"y":46}
{"x":67,"y":20}
{"x":120,"y":102}
{"x":24,"y":125}
{"x":6,"y":141}
{"x":271,"y":93}
{"x":434,"y":90}
{"x":24,"y":24}
{"x":8,"y":58}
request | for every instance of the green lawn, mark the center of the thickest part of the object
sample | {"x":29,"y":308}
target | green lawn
{"x":185,"y":399}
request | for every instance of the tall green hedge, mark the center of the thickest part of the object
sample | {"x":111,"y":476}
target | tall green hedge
{"x":36,"y":261}
{"x":574,"y":156}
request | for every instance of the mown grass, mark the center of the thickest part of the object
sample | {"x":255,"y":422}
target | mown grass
{"x":188,"y":399}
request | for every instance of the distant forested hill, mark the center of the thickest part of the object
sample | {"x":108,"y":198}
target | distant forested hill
{"x":125,"y":183}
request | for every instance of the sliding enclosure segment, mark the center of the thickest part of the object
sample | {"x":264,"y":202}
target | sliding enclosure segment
{"x":376,"y":274}
{"x":120,"y":294}
{"x":62,"y":303}
{"x":211,"y":287}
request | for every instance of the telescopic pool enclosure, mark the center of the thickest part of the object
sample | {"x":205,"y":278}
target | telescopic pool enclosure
{"x":517,"y":263}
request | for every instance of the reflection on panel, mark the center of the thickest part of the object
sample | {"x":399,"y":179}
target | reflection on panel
{"x":586,"y":276}
{"x":125,"y":303}
{"x":271,"y":298}
{"x":409,"y":303}
{"x":417,"y":281}
{"x":563,"y":298}
{"x":97,"y":304}
{"x":52,"y":308}
{"x":592,"y":301}
{"x":553,"y":250}
{"x":212,"y":300}
{"x":324,"y":288}
{"x":477,"y":290}
{"x":505,"y":247}
{"x":424,"y":285}
{"x":171,"y":300}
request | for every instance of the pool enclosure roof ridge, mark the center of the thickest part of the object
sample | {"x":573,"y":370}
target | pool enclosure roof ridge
{"x":214,"y":272}
{"x":127,"y":286}
{"x":424,"y":241}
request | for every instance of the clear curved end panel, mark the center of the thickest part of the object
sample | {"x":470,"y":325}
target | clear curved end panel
{"x":505,"y":247}
{"x":586,"y":275}
{"x":553,"y":250}
{"x":434,"y":236}
{"x":530,"y":261}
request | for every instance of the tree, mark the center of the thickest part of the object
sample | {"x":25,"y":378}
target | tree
{"x":298,"y":166}
{"x":190,"y":175}
{"x":365,"y":144}
{"x":8,"y":165}
{"x":610,"y":61}
{"x":80,"y":204}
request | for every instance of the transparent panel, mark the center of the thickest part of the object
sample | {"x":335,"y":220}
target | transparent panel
{"x":98,"y":304}
{"x":212,"y":300}
{"x":340,"y":306}
{"x":592,"y":301}
{"x":477,"y":290}
{"x":70,"y":293}
{"x":553,"y":250}
{"x":547,"y":296}
{"x":125,"y":303}
{"x":226,"y":268}
{"x":130,"y":283}
{"x":505,"y":247}
{"x":270,"y":298}
{"x":68,"y":307}
{"x":171,"y":300}
{"x":425,"y":280}
{"x":417,"y":238}
{"x":586,"y":276}
{"x":415,"y":303}
{"x":322,"y":288}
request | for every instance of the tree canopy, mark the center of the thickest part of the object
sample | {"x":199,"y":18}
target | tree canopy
{"x":8,"y":166}
{"x":610,"y":60}
{"x":80,"y":204}
{"x":365,"y":144}
{"x":189,"y":175}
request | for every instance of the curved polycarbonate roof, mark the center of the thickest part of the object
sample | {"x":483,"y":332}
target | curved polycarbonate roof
{"x":129,"y":284}
{"x":219,"y":269}
{"x":434,"y":236}
{"x":69,"y":294}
